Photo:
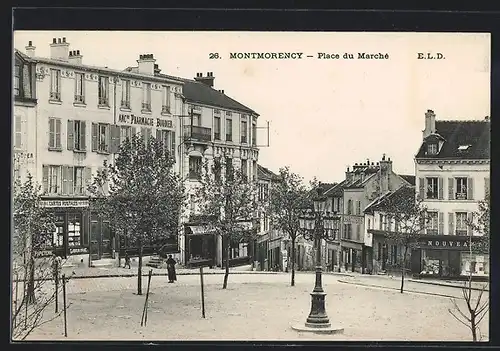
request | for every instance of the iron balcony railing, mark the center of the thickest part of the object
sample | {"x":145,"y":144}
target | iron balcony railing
{"x":197,"y":133}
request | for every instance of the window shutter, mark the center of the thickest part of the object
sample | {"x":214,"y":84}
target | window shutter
{"x":45,"y":179}
{"x":115,"y":139}
{"x":450,"y":188}
{"x":69,"y":180}
{"x":421,"y":187}
{"x":52,"y":130}
{"x":71,"y":135}
{"x":58,"y":133}
{"x":172,"y":141}
{"x":451,"y":225}
{"x":87,"y":178}
{"x":83,"y":135}
{"x":469,"y":222}
{"x":95,"y":131}
{"x":65,"y":180}
{"x":109,"y":137}
{"x":440,"y":188}
{"x":486,"y":187}
{"x":441,"y":223}
{"x":470,"y":188}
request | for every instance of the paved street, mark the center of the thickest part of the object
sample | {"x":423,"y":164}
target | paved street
{"x":254,"y":307}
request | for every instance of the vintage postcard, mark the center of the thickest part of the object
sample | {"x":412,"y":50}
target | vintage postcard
{"x":328,"y":186}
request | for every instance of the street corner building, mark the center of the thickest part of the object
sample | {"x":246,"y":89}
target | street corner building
{"x":70,"y":117}
{"x":453,"y":174}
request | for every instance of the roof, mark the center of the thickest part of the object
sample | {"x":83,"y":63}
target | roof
{"x":198,"y":92}
{"x":379,"y":203}
{"x":23,"y":56}
{"x":265,"y":174}
{"x":336,"y":190}
{"x":474,"y":134}
{"x":409,"y":178}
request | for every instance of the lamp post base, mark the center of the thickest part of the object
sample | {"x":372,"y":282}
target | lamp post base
{"x":318,"y":328}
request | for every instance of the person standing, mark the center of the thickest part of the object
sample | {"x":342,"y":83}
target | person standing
{"x":172,"y":277}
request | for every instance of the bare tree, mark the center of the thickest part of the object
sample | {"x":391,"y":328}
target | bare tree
{"x":140,"y":194}
{"x":288,"y":197}
{"x":476,"y":308}
{"x":409,"y":216}
{"x":32,"y":290}
{"x":229,"y":199}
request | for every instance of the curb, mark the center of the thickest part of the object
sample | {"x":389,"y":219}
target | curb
{"x":443,"y":284}
{"x":129,"y":275}
{"x":397,"y":289}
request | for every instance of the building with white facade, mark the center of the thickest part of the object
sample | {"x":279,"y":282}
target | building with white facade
{"x":82,"y":115}
{"x":453,"y":172}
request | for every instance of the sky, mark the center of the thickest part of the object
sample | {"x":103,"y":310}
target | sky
{"x":324,"y":114}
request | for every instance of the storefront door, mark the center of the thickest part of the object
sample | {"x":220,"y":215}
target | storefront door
{"x":101,"y":240}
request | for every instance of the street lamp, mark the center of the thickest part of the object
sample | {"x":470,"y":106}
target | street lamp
{"x":318,"y":224}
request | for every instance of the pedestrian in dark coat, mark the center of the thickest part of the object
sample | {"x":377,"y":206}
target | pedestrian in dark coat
{"x":127,"y":260}
{"x":172,"y":277}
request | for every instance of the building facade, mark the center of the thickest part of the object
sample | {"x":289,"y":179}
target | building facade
{"x":453,"y":173}
{"x":83,"y":113}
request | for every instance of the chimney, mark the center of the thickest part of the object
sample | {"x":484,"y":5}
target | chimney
{"x":430,"y":123}
{"x":208,"y":80}
{"x":59,"y":49}
{"x":385,"y":174}
{"x":30,"y":49}
{"x":348,"y":175}
{"x":146,"y":64}
{"x":157,"y":69}
{"x":75,"y":57}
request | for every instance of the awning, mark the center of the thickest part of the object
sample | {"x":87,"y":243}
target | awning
{"x":200,"y":230}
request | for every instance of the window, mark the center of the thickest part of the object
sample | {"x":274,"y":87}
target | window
{"x":217,"y":169}
{"x":217,"y":128}
{"x":125,"y":94}
{"x":432,"y":149}
{"x":244,"y":131}
{"x":55,"y":84}
{"x":432,"y":188}
{"x":194,"y":167}
{"x":77,"y":135}
{"x":125,"y":133}
{"x":369,"y":223}
{"x":17,"y":80}
{"x":58,"y":234}
{"x":54,"y":179}
{"x":461,"y":227}
{"x":103,"y":91}
{"x":80,"y":88}
{"x":433,"y":224}
{"x":461,"y":188}
{"x":192,"y":203}
{"x":166,"y":100}
{"x":229,"y":129}
{"x":244,"y":169}
{"x":146,"y":134}
{"x":103,"y":137}
{"x":347,"y":231}
{"x":358,"y":207}
{"x":254,"y":134}
{"x":146,"y":97}
{"x":54,"y":133}
{"x":18,"y":132}
{"x":477,"y":263}
{"x":229,"y":168}
{"x":349,"y":207}
{"x":78,"y":180}
{"x":167,"y":137}
{"x":74,"y":229}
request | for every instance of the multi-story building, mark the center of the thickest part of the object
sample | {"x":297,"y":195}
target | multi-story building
{"x":82,"y":115}
{"x":453,"y":172}
{"x":363,"y":184}
{"x":335,"y":195}
{"x":25,"y":100}
{"x":214,"y":127}
{"x":270,"y":252}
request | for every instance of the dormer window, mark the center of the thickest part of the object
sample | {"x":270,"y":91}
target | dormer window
{"x":432,"y":149}
{"x":463,"y":148}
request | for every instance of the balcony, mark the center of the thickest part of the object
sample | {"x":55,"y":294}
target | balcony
{"x":461,"y":196}
{"x":197,"y":133}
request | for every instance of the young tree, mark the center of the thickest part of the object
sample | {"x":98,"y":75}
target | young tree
{"x":476,"y":307}
{"x":409,"y":215}
{"x":33,"y":229}
{"x":288,"y":197}
{"x":140,"y":194}
{"x":230,"y":200}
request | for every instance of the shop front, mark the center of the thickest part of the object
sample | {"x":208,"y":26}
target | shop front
{"x":71,"y":233}
{"x":200,"y":245}
{"x":353,"y":255}
{"x":448,"y":257}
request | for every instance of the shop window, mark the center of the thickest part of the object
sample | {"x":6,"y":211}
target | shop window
{"x":74,"y":229}
{"x":58,"y":237}
{"x":477,"y":264}
{"x":438,"y":263}
{"x":433,"y":224}
{"x":432,"y":188}
{"x":461,"y":226}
